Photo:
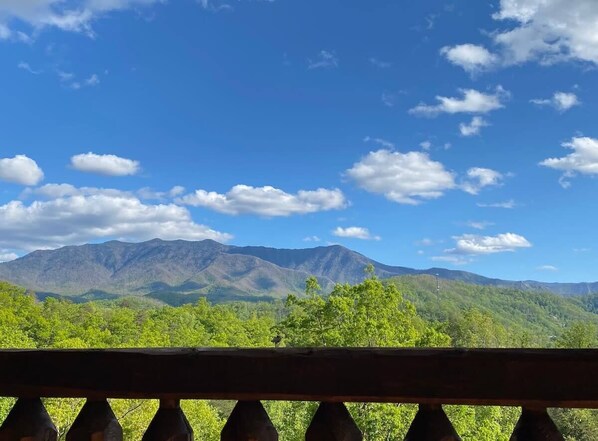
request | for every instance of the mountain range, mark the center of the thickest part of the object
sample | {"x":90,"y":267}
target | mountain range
{"x":180,"y":271}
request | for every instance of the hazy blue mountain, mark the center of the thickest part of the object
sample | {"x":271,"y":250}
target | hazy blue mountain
{"x":163,"y":269}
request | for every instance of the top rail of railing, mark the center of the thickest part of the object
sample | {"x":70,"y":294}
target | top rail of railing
{"x":517,"y":377}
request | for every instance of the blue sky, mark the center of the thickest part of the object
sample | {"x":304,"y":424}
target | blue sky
{"x":455,"y":134}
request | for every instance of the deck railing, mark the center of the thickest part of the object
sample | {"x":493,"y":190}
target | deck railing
{"x":531,"y":379}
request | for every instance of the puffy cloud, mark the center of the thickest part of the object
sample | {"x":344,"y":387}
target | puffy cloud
{"x":470,"y":244}
{"x":426,"y":145}
{"x":584,"y":159}
{"x":325,"y":59}
{"x":82,"y":216}
{"x":561,"y":101}
{"x":406,"y":178}
{"x":267,"y":201}
{"x":355,"y":233}
{"x":472,"y":101}
{"x":109,"y":165}
{"x":20,"y":170}
{"x":474,"y":127}
{"x":470,"y":57}
{"x":478,"y":178}
{"x":547,"y":31}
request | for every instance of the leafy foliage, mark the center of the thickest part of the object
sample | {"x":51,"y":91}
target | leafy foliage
{"x":370,"y":313}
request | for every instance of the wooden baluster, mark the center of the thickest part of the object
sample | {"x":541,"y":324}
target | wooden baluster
{"x":536,"y":425}
{"x":249,"y":422}
{"x":333,"y":422}
{"x":95,"y":422}
{"x":28,"y":420}
{"x":431,"y":424}
{"x":169,"y":424}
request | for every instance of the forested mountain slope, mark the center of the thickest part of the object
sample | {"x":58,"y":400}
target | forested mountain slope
{"x":172,"y":270}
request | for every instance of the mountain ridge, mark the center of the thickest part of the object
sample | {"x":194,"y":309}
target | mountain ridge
{"x":157,"y":268}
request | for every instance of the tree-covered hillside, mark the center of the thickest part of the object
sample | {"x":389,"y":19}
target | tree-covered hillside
{"x":370,"y":313}
{"x":536,"y":317}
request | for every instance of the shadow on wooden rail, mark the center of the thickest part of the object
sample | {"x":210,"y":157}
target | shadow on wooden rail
{"x":531,"y":379}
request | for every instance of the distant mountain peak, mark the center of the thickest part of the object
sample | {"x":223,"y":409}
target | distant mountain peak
{"x":167,"y":268}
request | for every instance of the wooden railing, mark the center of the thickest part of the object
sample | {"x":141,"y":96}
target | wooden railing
{"x":531,"y":379}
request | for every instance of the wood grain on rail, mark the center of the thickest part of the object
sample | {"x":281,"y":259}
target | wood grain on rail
{"x":520,"y":377}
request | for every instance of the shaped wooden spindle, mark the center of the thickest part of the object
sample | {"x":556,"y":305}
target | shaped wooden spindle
{"x":249,"y":421}
{"x":333,"y":422}
{"x":431,"y":424}
{"x":28,"y":420}
{"x":169,"y":424}
{"x":536,"y":425}
{"x":95,"y":422}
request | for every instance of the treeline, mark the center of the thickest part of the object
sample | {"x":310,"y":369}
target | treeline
{"x":371,"y":313}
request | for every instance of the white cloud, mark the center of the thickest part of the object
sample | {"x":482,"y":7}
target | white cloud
{"x":109,"y":165}
{"x":549,"y":30}
{"x":20,"y":170}
{"x":93,"y":80}
{"x":74,"y":16}
{"x":551,"y":268}
{"x":355,"y":233}
{"x":388,"y":99}
{"x":478,"y":178}
{"x":325,"y":59}
{"x":472,"y":101}
{"x":25,"y":66}
{"x":380,"y":141}
{"x":379,"y":63}
{"x":55,"y":191}
{"x":584,"y":159}
{"x":471,"y":244}
{"x":479,"y":225}
{"x":546,"y":31}
{"x":505,"y":204}
{"x":84,"y":216}
{"x":406,"y":178}
{"x":425,"y":242}
{"x":7,"y":256}
{"x":312,"y":239}
{"x":474,"y":127}
{"x":214,"y":5}
{"x":470,"y":57}
{"x":426,"y":145}
{"x":561,"y":101}
{"x":65,"y":76}
{"x":266,"y":201}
